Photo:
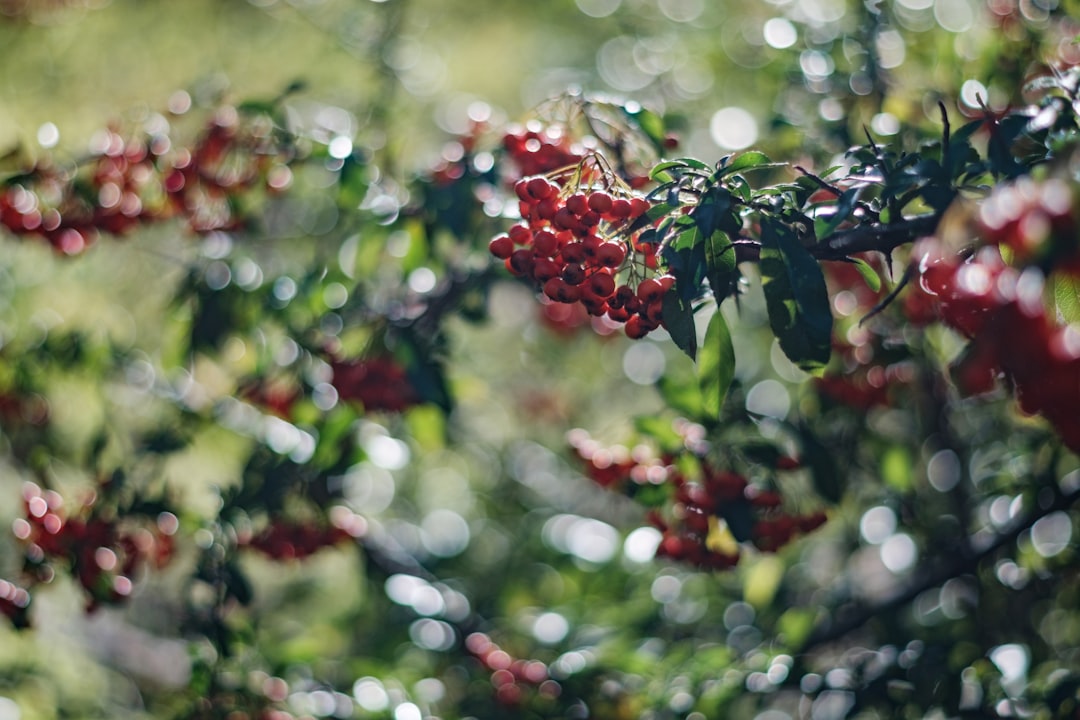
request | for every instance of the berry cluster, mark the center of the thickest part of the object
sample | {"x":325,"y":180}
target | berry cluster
{"x":691,"y":525}
{"x":576,"y":242}
{"x":511,"y":677}
{"x":536,"y":149}
{"x":102,"y":556}
{"x":378,"y":383}
{"x":145,"y":178}
{"x":1001,"y":310}
{"x":283,"y":540}
{"x":863,"y":374}
{"x":1035,"y":221}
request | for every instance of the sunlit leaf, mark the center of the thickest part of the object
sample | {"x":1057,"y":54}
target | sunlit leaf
{"x":716,"y":365}
{"x":1067,"y":296}
{"x":869,"y":274}
{"x":762,"y":580}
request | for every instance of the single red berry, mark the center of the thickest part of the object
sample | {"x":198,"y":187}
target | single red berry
{"x":540,"y":188}
{"x":566,"y":219}
{"x":577,"y":204}
{"x":574,"y":274}
{"x":545,"y":243}
{"x":544,"y":269}
{"x":637,"y":327}
{"x":557,"y":289}
{"x":521,"y":261}
{"x":501,"y":247}
{"x":573,"y":252}
{"x":521,"y":189}
{"x":649,"y":291}
{"x":610,"y":254}
{"x":620,"y":209}
{"x":590,"y":219}
{"x":639,"y":206}
{"x":600,"y":202}
{"x":520,"y":234}
{"x":602,"y":284}
{"x":547,"y":208}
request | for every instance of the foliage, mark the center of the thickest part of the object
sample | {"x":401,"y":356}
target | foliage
{"x":334,"y":459}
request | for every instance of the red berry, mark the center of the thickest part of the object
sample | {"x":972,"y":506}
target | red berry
{"x":574,"y":274}
{"x":501,"y":247}
{"x":577,"y":204}
{"x":540,"y":188}
{"x":639,"y":206}
{"x":521,"y":261}
{"x":602,"y":284}
{"x":637,"y":327}
{"x":573,"y":252}
{"x":649,"y":291}
{"x":545,"y":243}
{"x":557,"y":289}
{"x":610,"y":254}
{"x":600,"y":202}
{"x":544,"y":269}
{"x":620,"y":209}
{"x":521,"y":189}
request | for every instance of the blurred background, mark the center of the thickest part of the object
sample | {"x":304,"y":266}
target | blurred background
{"x":520,"y":546}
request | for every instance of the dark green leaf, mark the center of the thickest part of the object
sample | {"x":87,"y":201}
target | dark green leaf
{"x":716,"y":365}
{"x":845,"y":205}
{"x":739,"y":516}
{"x":823,"y":468}
{"x":762,"y":452}
{"x":720,"y":266}
{"x":795,"y":296}
{"x":679,"y":322}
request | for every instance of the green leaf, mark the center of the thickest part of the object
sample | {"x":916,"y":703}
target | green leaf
{"x":659,"y":171}
{"x":682,"y":395}
{"x":824,"y":472}
{"x":678,"y":318}
{"x":1067,"y":297}
{"x":650,"y":123}
{"x":795,"y":625}
{"x":762,"y":580}
{"x":659,"y":429}
{"x":845,"y":204}
{"x":685,"y":258}
{"x":750,"y":160}
{"x":720,"y":266}
{"x":869,"y":275}
{"x":896,"y":468}
{"x":795,"y":296}
{"x":716,"y":365}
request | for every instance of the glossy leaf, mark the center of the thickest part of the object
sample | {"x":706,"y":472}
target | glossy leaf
{"x":679,"y":321}
{"x":715,"y":365}
{"x":796,"y":297}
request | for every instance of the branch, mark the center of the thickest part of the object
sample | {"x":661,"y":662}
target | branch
{"x":875,"y":237}
{"x":861,"y":238}
{"x":828,"y":630}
